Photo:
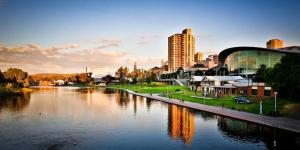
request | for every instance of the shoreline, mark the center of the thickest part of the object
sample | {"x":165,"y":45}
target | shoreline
{"x":274,"y":122}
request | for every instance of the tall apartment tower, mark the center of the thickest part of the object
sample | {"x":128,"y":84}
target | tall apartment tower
{"x":198,"y":57}
{"x":275,"y":44}
{"x":181,"y":50}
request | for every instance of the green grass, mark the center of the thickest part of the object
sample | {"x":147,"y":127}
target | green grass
{"x":149,"y":88}
{"x":286,"y":106}
{"x":229,"y":102}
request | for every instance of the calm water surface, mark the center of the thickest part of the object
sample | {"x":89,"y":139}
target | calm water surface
{"x":82,"y":118}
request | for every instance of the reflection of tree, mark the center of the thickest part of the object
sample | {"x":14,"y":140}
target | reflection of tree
{"x":181,"y":123}
{"x":134,"y":103}
{"x":238,"y":129}
{"x":109,"y":91}
{"x":122,"y":98}
{"x":248,"y":132}
{"x":207,"y":116}
{"x":148,"y":103}
{"x":15,"y":103}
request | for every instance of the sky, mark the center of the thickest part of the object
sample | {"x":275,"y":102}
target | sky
{"x":64,"y":36}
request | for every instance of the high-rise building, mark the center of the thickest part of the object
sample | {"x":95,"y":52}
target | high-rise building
{"x":181,"y":50}
{"x":275,"y":44}
{"x":214,"y":58}
{"x":198,"y":57}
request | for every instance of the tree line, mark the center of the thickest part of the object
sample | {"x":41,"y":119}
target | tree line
{"x":14,"y":78}
{"x":284,"y":77}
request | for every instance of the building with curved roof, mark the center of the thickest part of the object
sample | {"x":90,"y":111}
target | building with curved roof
{"x":246,"y":60}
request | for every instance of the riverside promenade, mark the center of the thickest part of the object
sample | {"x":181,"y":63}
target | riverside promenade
{"x":275,"y":122}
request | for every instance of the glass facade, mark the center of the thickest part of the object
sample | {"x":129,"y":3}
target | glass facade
{"x":248,"y":61}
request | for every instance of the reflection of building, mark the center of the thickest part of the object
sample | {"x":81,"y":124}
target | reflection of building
{"x":274,"y":44}
{"x":181,"y":123}
{"x":181,"y":49}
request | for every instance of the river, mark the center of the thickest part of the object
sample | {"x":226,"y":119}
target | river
{"x":84,"y":118}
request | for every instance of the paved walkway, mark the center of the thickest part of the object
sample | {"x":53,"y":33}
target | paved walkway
{"x":276,"y":122}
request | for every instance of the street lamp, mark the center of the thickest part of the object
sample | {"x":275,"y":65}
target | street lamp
{"x":275,"y":93}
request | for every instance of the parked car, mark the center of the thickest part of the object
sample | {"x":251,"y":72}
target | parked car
{"x":242,"y":100}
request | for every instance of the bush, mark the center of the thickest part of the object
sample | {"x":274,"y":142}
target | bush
{"x":157,"y":84}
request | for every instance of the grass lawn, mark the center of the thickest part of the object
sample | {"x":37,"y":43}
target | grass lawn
{"x":286,"y":106}
{"x":283,"y":104}
{"x":149,"y":89}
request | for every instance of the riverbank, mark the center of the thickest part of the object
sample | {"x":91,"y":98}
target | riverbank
{"x":287,"y":107}
{"x":275,"y":122}
{"x":14,"y":91}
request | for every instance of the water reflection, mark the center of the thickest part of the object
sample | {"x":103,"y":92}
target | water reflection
{"x":122,"y":98}
{"x":181,"y":123}
{"x":15,"y":103}
{"x":248,"y":132}
{"x":87,"y":118}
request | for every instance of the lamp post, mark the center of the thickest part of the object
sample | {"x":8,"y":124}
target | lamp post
{"x":275,"y":109}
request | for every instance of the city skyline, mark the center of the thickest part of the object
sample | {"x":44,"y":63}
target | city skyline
{"x":64,"y":37}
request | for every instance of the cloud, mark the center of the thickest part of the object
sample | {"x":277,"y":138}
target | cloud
{"x":143,"y":40}
{"x":202,"y":36}
{"x":108,"y":42}
{"x":37,"y":59}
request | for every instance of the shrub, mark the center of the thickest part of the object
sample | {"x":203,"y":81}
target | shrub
{"x":157,"y":84}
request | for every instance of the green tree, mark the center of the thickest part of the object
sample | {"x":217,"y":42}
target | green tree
{"x":199,"y":73}
{"x":284,"y":76}
{"x":261,"y":73}
{"x":108,"y":78}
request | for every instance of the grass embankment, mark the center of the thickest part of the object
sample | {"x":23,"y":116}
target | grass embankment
{"x":287,"y":107}
{"x":150,"y":88}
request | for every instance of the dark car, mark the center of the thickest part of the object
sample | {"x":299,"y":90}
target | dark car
{"x":242,"y":100}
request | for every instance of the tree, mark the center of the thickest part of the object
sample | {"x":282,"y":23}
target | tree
{"x":284,"y":76}
{"x":222,"y":71}
{"x":2,"y":79}
{"x":210,"y":72}
{"x":260,"y":73}
{"x":83,"y":77}
{"x":199,"y":73}
{"x":150,"y":77}
{"x":108,"y":78}
{"x":17,"y":76}
{"x":122,"y":73}
{"x":180,"y":72}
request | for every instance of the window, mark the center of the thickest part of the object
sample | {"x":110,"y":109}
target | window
{"x":267,"y":93}
{"x":254,"y":91}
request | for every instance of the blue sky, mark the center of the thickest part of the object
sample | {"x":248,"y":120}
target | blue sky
{"x":138,"y":30}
